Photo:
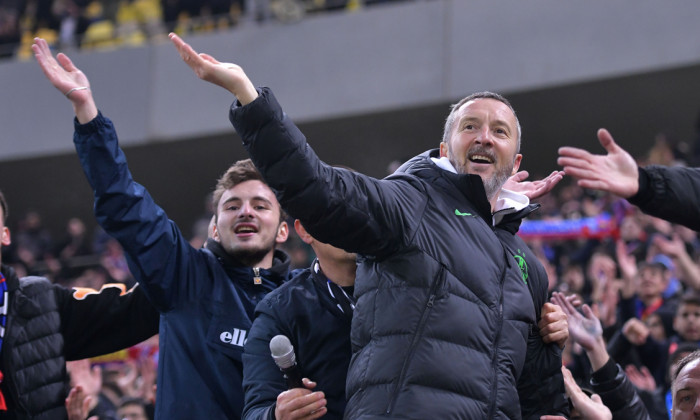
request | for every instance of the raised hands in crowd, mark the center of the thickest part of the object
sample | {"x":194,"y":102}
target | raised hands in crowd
{"x":68,"y":79}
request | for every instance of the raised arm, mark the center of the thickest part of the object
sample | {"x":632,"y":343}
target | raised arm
{"x":68,"y":79}
{"x":159,"y":256}
{"x":615,"y":172}
{"x":340,"y":207}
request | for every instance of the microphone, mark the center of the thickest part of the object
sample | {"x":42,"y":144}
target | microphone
{"x":283,"y":354}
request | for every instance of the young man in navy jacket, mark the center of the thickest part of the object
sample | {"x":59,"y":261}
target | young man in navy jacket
{"x":206,"y":296}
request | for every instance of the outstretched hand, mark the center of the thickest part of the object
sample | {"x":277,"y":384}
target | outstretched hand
{"x":533,"y":189}
{"x":227,"y":75}
{"x":615,"y":172}
{"x":67,"y":78}
{"x":585,"y":331}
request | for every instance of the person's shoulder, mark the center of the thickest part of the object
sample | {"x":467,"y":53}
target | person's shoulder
{"x":298,"y":287}
{"x":300,"y":281}
{"x":36,"y":282}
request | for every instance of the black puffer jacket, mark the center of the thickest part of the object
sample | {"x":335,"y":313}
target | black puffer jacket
{"x":48,"y":324}
{"x":439,"y":330}
{"x":541,"y":385}
{"x":670,"y":193}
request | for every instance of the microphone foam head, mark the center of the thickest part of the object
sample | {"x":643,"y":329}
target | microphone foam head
{"x":282,"y":351}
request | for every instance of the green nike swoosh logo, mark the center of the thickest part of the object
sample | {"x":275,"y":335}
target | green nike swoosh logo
{"x":459,"y":213}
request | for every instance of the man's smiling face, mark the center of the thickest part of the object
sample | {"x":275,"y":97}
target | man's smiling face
{"x":484,"y":141}
{"x":248,"y":224}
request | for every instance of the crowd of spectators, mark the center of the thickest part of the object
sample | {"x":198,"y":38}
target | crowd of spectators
{"x":90,"y":24}
{"x":639,"y":273}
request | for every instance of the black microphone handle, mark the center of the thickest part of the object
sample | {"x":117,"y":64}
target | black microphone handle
{"x":293,"y":377}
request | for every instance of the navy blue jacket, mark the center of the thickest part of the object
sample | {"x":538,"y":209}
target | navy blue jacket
{"x":440,"y":329}
{"x":303,"y":311}
{"x":206,"y":299}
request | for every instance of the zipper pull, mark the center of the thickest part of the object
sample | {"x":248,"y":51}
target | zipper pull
{"x":257,"y":279}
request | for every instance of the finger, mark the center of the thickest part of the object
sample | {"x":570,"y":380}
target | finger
{"x":574,"y":300}
{"x":187,"y":53}
{"x":580,"y":170}
{"x":520,"y":176}
{"x":548,"y":308}
{"x":209,"y":58}
{"x":596,"y":398}
{"x":587,"y":311}
{"x":308,"y":383}
{"x":575,"y":153}
{"x":43,"y":46}
{"x":176,"y":40}
{"x":606,"y":140}
{"x":591,"y":184}
{"x":70,"y":399}
{"x":66,"y":62}
{"x":566,"y":305}
{"x":556,"y":298}
{"x":303,"y":405}
{"x":312,"y":410}
{"x":86,"y":404}
{"x":555,"y":337}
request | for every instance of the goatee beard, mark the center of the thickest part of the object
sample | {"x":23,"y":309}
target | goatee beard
{"x":249,"y":257}
{"x":493,"y":185}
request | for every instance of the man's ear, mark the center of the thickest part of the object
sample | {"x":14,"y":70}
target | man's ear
{"x":303,"y":234}
{"x":516,"y":163}
{"x":443,"y":149}
{"x":215,"y":232}
{"x":282,"y":233}
{"x":5,"y":236}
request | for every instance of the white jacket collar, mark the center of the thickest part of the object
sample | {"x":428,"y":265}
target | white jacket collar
{"x":508,"y":201}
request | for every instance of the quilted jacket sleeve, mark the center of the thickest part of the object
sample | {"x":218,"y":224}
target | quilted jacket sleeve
{"x":337,"y":206}
{"x":670,"y":193}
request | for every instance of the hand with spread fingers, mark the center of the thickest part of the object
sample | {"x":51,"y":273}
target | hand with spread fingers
{"x":227,"y":75}
{"x":584,"y":329}
{"x":615,"y":172}
{"x":533,"y":189}
{"x":67,"y":78}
